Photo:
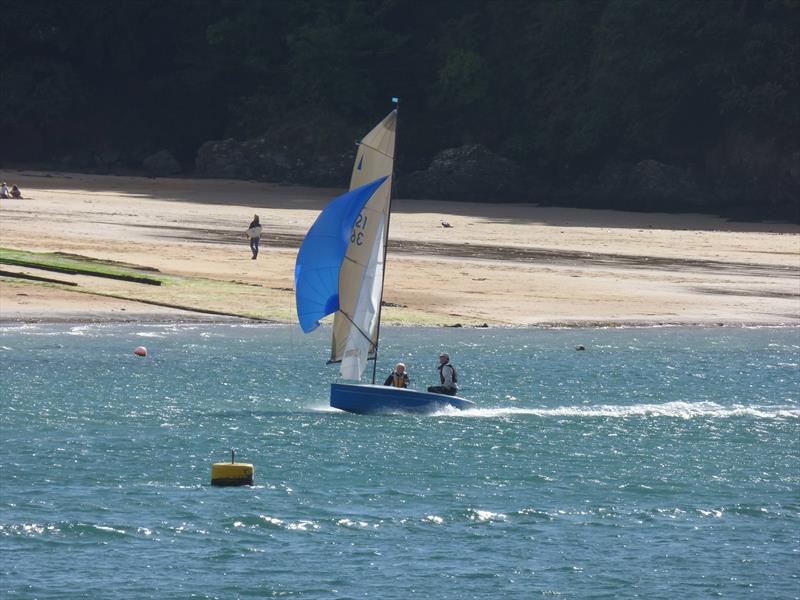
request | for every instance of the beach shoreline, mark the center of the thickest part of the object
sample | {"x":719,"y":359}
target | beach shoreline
{"x":510,"y":265}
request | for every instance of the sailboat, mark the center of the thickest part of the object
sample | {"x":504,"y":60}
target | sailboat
{"x":340,"y":270}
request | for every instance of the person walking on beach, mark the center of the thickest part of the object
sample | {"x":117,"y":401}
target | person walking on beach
{"x":447,"y":377}
{"x":398,"y":377}
{"x":254,"y":232}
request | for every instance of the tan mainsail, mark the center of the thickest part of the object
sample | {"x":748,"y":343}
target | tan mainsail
{"x":355,"y":324}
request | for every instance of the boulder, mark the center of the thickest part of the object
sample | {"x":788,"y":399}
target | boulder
{"x":331,"y":170}
{"x":264,"y":162}
{"x":259,"y":160}
{"x":470,"y":173}
{"x":758,"y":172}
{"x":657,"y":184}
{"x":649,"y":185}
{"x":81,"y":159}
{"x":224,"y":159}
{"x":161,"y":164}
{"x":106,"y":159}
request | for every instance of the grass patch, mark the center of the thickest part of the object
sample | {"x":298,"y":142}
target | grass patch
{"x":199,"y":294}
{"x":78,"y":265}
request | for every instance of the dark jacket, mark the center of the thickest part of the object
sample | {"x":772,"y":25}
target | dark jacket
{"x":447,"y":376}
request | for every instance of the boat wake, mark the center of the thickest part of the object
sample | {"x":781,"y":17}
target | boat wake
{"x":680,"y":410}
{"x":675,"y":410}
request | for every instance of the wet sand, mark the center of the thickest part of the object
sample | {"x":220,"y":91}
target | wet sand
{"x":499,"y":264}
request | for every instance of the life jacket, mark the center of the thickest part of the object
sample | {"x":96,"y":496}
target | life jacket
{"x":398,"y":380}
{"x":441,"y":375}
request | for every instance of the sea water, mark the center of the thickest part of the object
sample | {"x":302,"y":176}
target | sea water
{"x":656,"y":463}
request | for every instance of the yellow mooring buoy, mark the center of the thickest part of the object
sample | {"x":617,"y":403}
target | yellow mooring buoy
{"x":232,"y":473}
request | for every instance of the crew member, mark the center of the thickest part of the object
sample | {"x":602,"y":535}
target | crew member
{"x":398,"y":377}
{"x":447,"y":377}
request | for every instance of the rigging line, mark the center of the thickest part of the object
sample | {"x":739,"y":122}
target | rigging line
{"x":392,"y":189}
{"x":338,"y":362}
{"x":390,"y":156}
{"x":361,"y":331}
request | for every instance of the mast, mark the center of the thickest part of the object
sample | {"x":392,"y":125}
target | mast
{"x":396,"y":102}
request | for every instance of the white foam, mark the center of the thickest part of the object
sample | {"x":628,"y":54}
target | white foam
{"x":351,"y":523}
{"x":324,"y":408}
{"x":682,"y":410}
{"x":108,"y":529}
{"x":436,"y":519}
{"x":483,"y":516}
{"x":302,"y":526}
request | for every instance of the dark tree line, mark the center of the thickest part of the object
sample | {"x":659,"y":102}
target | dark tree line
{"x":568,"y":89}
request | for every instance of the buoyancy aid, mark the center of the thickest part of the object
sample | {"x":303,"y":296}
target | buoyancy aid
{"x":441,"y":374}
{"x":398,"y":380}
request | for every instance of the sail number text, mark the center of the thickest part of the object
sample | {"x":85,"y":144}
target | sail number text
{"x":357,"y":237}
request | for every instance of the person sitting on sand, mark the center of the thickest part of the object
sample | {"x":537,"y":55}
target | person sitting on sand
{"x":16,"y":192}
{"x":447,"y":377}
{"x":254,"y":232}
{"x":4,"y":191}
{"x":398,"y":377}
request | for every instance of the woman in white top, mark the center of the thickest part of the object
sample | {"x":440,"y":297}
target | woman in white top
{"x":254,"y":231}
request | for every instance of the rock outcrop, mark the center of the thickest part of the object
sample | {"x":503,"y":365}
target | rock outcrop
{"x":648,"y":185}
{"x":258,"y":160}
{"x":161,"y":164}
{"x":755,"y":172}
{"x":468,"y":173}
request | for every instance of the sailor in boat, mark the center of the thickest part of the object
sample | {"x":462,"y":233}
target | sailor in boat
{"x":398,"y":377}
{"x":447,"y":377}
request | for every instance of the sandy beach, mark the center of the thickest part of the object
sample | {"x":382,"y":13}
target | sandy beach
{"x":498,"y":264}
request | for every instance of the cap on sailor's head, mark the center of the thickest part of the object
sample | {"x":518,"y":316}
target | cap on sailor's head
{"x":445,"y":355}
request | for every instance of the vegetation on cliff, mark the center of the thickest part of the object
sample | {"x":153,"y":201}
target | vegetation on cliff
{"x":583,"y":96}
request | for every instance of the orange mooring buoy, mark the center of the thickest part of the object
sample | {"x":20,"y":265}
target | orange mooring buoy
{"x":140,"y":351}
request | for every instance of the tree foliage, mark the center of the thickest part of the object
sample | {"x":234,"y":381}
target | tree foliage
{"x":564,"y":87}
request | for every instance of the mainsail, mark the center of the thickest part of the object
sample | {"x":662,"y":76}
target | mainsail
{"x":355,"y":325}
